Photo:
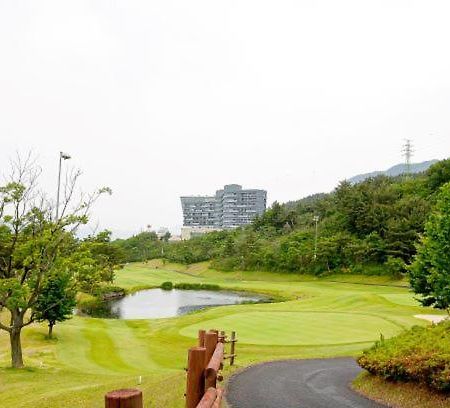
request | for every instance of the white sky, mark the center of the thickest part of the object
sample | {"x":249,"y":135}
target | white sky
{"x":158,"y":99}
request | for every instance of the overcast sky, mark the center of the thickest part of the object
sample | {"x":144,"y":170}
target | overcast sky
{"x":158,"y":99}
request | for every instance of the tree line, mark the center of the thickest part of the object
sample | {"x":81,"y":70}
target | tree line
{"x":370,"y":227}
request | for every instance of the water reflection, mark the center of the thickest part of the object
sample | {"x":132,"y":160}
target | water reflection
{"x":158,"y":303}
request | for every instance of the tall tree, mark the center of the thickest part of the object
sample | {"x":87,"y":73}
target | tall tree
{"x":33,"y":243}
{"x":430,"y":271}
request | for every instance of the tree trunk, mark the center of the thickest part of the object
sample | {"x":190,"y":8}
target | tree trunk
{"x":50,"y":330}
{"x":14,"y":337}
{"x":16,"y":348}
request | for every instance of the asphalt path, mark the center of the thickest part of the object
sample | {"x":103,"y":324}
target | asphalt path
{"x":319,"y":383}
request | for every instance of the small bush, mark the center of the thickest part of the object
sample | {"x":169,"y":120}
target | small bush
{"x":108,"y":291}
{"x":166,"y":286}
{"x":395,"y":266}
{"x":226,"y":264}
{"x":196,"y":286}
{"x":421,"y":355}
{"x":93,"y":306}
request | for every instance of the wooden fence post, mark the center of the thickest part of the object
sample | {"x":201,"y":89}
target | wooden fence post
{"x":233,"y":341}
{"x":201,"y":338}
{"x":213,"y":367}
{"x":126,"y":398}
{"x":210,"y":345}
{"x":195,"y":383}
{"x":222,"y":337}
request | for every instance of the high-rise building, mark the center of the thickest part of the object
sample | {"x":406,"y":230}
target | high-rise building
{"x":229,"y":208}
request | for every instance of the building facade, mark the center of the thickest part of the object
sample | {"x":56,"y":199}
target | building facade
{"x":229,"y":208}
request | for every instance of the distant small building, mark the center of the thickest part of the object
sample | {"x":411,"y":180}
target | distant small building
{"x":175,"y":238}
{"x":162,"y":232}
{"x":231,"y":207}
{"x":195,"y":231}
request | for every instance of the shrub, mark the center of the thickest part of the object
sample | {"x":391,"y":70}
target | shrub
{"x":421,"y":354}
{"x":196,"y":286}
{"x":93,"y":306}
{"x":166,"y":286}
{"x":226,"y":264}
{"x":108,"y":291}
{"x":395,"y":266}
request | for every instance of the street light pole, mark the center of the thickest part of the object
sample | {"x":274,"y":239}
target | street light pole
{"x":316,"y":220}
{"x":62,"y":156}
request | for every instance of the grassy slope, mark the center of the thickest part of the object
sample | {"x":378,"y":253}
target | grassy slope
{"x":398,"y":394}
{"x":92,"y":356}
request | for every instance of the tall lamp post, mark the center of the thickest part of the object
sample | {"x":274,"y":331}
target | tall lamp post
{"x":62,"y":156}
{"x":316,"y":220}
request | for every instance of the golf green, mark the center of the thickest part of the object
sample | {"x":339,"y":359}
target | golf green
{"x":299,"y":328}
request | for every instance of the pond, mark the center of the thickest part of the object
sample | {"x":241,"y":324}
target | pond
{"x":158,"y":303}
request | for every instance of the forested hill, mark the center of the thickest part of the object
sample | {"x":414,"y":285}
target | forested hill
{"x":369,"y":227}
{"x":394,"y":171}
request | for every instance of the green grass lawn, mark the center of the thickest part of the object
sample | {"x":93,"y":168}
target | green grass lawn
{"x":333,"y":316}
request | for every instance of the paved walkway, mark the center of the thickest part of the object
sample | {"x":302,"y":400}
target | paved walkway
{"x":321,"y":383}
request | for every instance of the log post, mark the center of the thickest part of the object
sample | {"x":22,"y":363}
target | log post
{"x":126,"y":398}
{"x":233,"y":341}
{"x":195,"y":383}
{"x":222,"y":337}
{"x":213,"y":367}
{"x":210,"y":345}
{"x":201,"y":338}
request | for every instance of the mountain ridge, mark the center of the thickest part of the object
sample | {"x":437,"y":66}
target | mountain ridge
{"x":393,"y":171}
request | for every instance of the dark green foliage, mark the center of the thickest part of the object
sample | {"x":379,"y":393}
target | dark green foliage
{"x":438,"y":175}
{"x":93,"y":262}
{"x":395,"y":267}
{"x":108,"y":291}
{"x":56,"y":300}
{"x":96,"y":307}
{"x":104,"y":249}
{"x":420,"y":355}
{"x":140,"y":247}
{"x":430,"y":271}
{"x":202,"y":248}
{"x":196,"y":286}
{"x":166,"y":237}
{"x":166,"y":286}
{"x":277,"y":219}
{"x":97,"y":259}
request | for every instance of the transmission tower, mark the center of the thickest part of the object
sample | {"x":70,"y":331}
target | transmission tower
{"x":407,"y":153}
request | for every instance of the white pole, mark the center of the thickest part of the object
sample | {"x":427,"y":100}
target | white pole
{"x":316,"y":220}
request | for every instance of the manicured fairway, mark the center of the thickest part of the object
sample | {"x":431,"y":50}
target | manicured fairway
{"x":336,"y":316}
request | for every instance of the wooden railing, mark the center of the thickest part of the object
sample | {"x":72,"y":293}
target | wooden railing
{"x":204,"y":364}
{"x":203,"y":373}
